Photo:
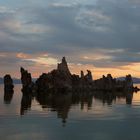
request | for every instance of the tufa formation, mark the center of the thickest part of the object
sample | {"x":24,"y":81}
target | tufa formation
{"x":8,"y":84}
{"x":28,"y":87}
{"x":8,"y":89}
{"x":61,"y":80}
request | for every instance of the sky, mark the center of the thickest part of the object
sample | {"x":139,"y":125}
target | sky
{"x":99,"y":35}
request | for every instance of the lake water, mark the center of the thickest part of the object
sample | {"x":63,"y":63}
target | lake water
{"x":65,"y":119}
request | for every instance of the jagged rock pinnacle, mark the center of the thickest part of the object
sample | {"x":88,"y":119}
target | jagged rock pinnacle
{"x":64,"y":60}
{"x":82,"y":74}
{"x":26,"y":78}
{"x":63,"y":66}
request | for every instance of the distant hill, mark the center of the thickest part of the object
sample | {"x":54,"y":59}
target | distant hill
{"x":16,"y":81}
{"x":135,"y":80}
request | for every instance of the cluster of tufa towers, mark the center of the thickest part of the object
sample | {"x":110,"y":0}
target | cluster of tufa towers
{"x":61,"y":79}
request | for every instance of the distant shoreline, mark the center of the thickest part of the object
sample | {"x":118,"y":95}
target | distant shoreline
{"x":18,"y":81}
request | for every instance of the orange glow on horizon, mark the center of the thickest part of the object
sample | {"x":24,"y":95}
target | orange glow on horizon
{"x":97,"y":73}
{"x":40,"y":63}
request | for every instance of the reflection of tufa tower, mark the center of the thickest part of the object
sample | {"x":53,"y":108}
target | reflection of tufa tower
{"x":63,"y":66}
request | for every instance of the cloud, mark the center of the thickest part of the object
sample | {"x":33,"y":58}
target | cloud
{"x":47,"y":61}
{"x":36,"y":63}
{"x":93,"y":19}
{"x":99,"y":33}
{"x":6,"y":10}
{"x":61,"y":5}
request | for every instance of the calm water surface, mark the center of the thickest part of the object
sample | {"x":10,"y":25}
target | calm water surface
{"x":90,"y":119}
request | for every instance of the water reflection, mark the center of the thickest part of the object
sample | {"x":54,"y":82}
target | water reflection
{"x":26,"y":102}
{"x":129,"y":98}
{"x":62,"y":102}
{"x":110,"y":97}
{"x":8,"y":95}
{"x":59,"y":103}
{"x":87,"y":113}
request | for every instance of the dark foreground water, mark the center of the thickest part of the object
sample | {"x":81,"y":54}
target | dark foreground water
{"x":63,"y":119}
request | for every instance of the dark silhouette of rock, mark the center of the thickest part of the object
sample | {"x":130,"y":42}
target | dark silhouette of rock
{"x":28,"y":87}
{"x":8,"y":84}
{"x":136,"y":89}
{"x":88,"y":76}
{"x":61,"y":79}
{"x":63,"y":67}
{"x":82,"y":75}
{"x":111,"y":84}
{"x":76,"y":82}
{"x":8,"y":89}
{"x":128,"y":82}
{"x":104,"y":83}
{"x":42,"y":83}
{"x":26,"y":78}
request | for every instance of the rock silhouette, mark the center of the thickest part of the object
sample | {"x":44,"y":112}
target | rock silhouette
{"x":27,"y":84}
{"x":26,"y":78}
{"x":8,"y":84}
{"x":63,"y":67}
{"x":129,"y":82}
{"x":8,"y":89}
{"x":59,"y":90}
{"x":61,"y":80}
